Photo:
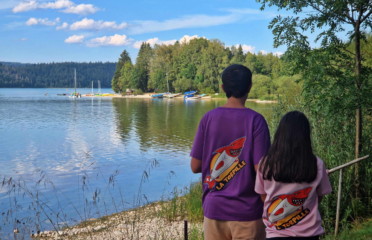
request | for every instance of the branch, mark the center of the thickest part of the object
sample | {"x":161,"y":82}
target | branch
{"x":366,"y":16}
{"x":334,"y":15}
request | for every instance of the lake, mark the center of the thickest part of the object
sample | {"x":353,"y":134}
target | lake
{"x":63,"y":161}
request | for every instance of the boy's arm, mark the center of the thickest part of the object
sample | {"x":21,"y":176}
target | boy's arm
{"x":195,"y":165}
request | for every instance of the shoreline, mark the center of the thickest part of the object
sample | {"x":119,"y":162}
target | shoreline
{"x":146,"y":222}
{"x":148,"y":96}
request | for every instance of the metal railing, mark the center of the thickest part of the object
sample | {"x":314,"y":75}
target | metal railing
{"x":339,"y":168}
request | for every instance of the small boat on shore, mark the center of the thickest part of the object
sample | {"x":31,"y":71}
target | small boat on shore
{"x":159,"y":95}
{"x":189,"y":94}
{"x":171,"y":95}
{"x":196,"y":97}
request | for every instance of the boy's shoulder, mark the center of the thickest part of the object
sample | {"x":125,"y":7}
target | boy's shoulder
{"x":248,"y":112}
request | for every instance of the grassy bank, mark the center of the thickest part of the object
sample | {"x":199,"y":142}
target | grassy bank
{"x":359,"y":231}
{"x":165,"y":220}
{"x":159,"y":220}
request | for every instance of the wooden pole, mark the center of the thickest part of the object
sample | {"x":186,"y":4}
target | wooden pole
{"x":347,"y":164}
{"x":185,"y":230}
{"x":338,"y":202}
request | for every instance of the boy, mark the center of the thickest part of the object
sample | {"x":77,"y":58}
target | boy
{"x":228,"y":146}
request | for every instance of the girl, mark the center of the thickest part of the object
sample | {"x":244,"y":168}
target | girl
{"x":291,"y":181}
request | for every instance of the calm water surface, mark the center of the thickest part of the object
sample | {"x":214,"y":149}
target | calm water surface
{"x":70,"y":160}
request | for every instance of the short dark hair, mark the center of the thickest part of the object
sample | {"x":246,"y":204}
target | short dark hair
{"x":237,"y":81}
{"x":290,"y":158}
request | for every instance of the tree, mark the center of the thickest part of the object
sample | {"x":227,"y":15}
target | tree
{"x":212,"y":65}
{"x":238,"y":55}
{"x":142,"y":66}
{"x":160,"y":68}
{"x":329,"y":17}
{"x":126,"y":75}
{"x":115,"y":82}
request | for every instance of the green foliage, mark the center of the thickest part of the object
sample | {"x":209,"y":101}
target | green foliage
{"x":261,"y":87}
{"x":126,"y":76}
{"x":55,"y":75}
{"x":117,"y":82}
{"x":195,"y":65}
{"x":142,"y":67}
{"x":237,"y":55}
{"x":186,"y":204}
{"x":360,"y":231}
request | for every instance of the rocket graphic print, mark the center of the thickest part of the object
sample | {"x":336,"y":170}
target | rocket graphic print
{"x":225,"y":164}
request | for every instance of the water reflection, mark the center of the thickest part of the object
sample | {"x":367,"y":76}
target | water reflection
{"x":168,"y":124}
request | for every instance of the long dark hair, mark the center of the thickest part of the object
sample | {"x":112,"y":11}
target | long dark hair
{"x":290,"y":158}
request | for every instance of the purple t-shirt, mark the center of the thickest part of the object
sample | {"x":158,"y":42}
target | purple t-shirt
{"x":229,"y":142}
{"x":291,"y":209}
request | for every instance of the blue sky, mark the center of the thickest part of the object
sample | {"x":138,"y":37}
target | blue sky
{"x":39,"y":31}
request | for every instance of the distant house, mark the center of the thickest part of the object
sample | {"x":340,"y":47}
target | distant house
{"x":129,"y":91}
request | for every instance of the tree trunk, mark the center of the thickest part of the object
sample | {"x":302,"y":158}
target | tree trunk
{"x":358,"y":111}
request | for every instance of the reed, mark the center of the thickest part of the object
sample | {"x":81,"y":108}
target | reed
{"x":92,"y":210}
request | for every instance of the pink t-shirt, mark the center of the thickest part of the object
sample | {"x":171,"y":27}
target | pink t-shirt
{"x":291,"y":209}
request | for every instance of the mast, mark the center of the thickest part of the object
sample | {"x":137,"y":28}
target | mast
{"x":167,"y":81}
{"x":75,"y":79}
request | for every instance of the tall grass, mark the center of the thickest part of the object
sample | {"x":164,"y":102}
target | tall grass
{"x":91,"y":202}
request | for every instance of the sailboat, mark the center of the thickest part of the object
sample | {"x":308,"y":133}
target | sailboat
{"x":75,"y":94}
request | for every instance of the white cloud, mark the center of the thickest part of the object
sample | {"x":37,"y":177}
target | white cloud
{"x":42,"y":21}
{"x":57,"y":4}
{"x":153,"y":41}
{"x":67,"y":6}
{"x":187,"y":38}
{"x":179,"y":23}
{"x":25,"y":6}
{"x":278,"y":54}
{"x":115,"y":40}
{"x":246,"y":48}
{"x":90,"y":24}
{"x":75,"y":39}
{"x":263,"y":52}
{"x":193,"y":21}
{"x":63,"y":26}
{"x":81,"y":9}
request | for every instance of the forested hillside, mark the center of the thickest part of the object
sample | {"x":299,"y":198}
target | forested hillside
{"x":55,"y":75}
{"x":197,"y":65}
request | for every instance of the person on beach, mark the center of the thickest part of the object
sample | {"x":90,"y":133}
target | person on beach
{"x":292,"y":181}
{"x":228,"y":145}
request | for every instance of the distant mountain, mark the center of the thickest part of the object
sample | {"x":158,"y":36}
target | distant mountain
{"x":55,"y":75}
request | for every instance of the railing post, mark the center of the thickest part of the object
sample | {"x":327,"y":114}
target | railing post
{"x":338,"y":202}
{"x":186,"y":230}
